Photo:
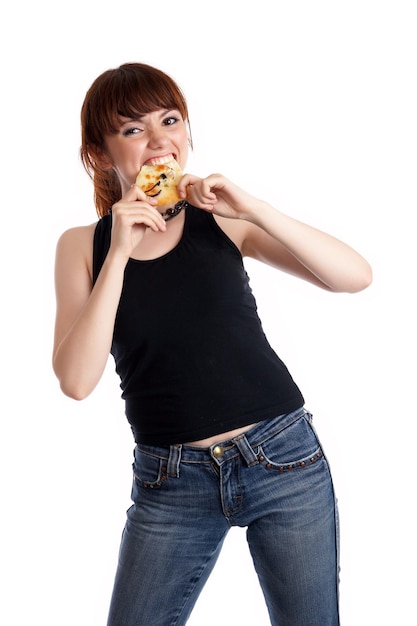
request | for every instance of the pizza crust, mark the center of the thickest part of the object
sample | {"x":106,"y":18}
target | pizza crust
{"x":160,"y":179}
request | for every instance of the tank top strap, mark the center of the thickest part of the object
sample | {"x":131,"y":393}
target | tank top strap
{"x":101,"y":243}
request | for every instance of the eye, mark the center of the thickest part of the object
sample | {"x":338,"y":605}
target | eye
{"x":171,"y":120}
{"x":132,"y":130}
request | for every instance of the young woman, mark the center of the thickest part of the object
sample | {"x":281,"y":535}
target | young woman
{"x":222,"y":436}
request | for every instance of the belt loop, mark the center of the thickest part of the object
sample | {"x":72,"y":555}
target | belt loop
{"x":174,"y":460}
{"x":246,"y":450}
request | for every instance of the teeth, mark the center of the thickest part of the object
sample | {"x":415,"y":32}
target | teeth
{"x":160,"y":160}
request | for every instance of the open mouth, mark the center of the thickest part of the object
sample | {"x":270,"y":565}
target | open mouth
{"x":160,"y":160}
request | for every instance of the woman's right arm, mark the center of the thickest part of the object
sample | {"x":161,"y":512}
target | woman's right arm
{"x":85,"y":315}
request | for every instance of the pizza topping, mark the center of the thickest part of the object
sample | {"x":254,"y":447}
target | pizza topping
{"x":159,"y":178}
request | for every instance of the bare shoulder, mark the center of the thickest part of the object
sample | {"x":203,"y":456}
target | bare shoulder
{"x":76,"y":245}
{"x":79,"y":236}
{"x":236,"y":230}
{"x":73,"y":276}
{"x":249,"y":238}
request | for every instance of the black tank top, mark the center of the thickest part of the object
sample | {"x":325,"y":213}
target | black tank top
{"x":188,"y":343}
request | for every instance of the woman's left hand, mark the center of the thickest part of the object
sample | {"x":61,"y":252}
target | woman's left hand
{"x":216,"y":194}
{"x":280,"y":240}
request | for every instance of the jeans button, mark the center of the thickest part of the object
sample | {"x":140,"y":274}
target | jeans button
{"x":218,"y":452}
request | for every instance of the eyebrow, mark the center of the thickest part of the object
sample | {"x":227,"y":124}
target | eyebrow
{"x":126,"y":120}
{"x":138,"y":117}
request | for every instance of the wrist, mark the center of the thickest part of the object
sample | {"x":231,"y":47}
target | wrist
{"x":117,"y":259}
{"x":260,"y":213}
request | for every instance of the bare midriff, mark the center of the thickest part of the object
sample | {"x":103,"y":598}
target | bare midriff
{"x":206,"y":443}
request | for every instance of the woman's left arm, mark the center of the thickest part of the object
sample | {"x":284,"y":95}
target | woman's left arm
{"x":266,"y":234}
{"x":297,"y":248}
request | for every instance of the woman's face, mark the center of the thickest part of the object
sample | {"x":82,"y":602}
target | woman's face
{"x":138,"y":141}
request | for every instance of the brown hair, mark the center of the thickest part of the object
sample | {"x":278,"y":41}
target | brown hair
{"x":131,"y":90}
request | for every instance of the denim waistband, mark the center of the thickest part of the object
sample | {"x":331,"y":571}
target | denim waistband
{"x":223,"y":451}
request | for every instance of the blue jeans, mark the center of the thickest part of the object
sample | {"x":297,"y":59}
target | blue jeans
{"x":275,"y":481}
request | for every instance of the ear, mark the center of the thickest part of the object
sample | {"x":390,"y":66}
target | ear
{"x":189,"y":136}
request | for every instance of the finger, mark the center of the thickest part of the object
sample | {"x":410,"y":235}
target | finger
{"x":131,"y":208}
{"x":154,"y":223}
{"x":138,"y":212}
{"x":186,"y":182}
{"x":136,"y":193}
{"x":152,"y":218}
{"x":201,"y":193}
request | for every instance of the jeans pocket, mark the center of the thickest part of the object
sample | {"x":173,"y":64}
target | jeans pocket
{"x":295,"y":447}
{"x":149,"y":471}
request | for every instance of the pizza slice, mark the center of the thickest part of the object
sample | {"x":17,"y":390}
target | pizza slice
{"x":159,"y":179}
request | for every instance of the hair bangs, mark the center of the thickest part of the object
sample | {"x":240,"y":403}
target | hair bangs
{"x":132,"y":92}
{"x":129,"y":91}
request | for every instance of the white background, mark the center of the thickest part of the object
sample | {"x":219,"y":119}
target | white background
{"x":310,"y":105}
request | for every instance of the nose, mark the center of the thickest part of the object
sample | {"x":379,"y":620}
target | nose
{"x":157,"y":137}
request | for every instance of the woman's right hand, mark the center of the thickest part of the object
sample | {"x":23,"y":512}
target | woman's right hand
{"x":131,"y":216}
{"x":85,"y":315}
